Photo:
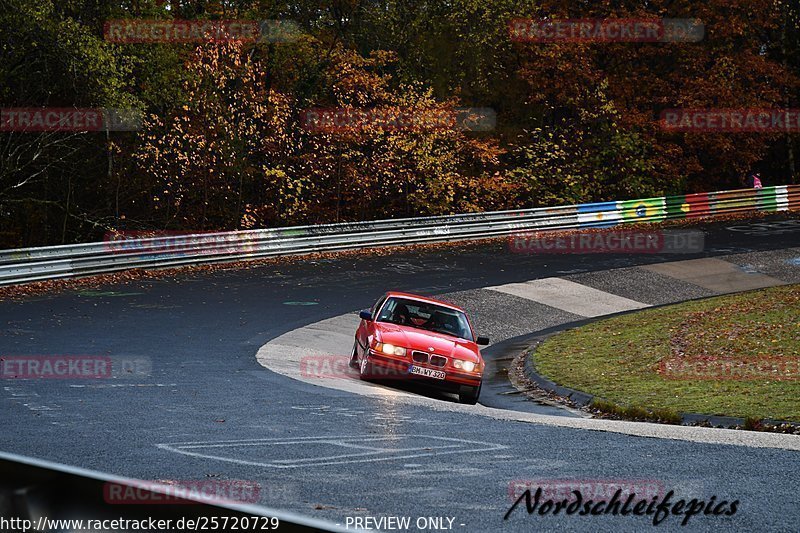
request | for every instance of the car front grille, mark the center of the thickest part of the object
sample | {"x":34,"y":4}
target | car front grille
{"x":438,"y":360}
{"x":419,"y":357}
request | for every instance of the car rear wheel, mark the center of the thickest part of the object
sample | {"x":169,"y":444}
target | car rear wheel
{"x":470,"y":396}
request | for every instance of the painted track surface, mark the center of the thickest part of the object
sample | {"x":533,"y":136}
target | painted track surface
{"x":207,"y":408}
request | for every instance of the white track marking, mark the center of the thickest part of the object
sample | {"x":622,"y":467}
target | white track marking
{"x":28,"y":398}
{"x":571,"y":297}
{"x":446,"y":446}
{"x":332,"y":337}
{"x":335,"y":336}
{"x":714,"y":274}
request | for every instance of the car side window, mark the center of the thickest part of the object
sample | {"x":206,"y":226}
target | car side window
{"x":387,"y":311}
{"x":377,"y":305}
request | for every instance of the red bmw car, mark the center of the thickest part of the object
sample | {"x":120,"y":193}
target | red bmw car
{"x":412,"y":337}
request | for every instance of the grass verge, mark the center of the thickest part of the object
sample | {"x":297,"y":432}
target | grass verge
{"x":736,"y":355}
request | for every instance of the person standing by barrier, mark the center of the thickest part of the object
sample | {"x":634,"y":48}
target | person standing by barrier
{"x":753,"y":181}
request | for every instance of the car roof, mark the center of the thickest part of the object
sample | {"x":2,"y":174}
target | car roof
{"x":423,"y":299}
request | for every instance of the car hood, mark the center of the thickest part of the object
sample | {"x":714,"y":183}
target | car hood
{"x":418,"y":339}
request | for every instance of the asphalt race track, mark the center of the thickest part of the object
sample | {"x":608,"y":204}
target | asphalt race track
{"x":200,"y":405}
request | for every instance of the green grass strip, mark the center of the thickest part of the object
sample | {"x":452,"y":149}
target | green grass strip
{"x":735,"y":355}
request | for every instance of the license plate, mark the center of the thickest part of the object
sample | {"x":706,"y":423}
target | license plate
{"x":427,"y":372}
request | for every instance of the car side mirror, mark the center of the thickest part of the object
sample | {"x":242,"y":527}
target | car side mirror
{"x":482,"y":341}
{"x":365,"y":315}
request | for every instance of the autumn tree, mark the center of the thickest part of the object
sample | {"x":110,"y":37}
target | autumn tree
{"x":227,"y":143}
{"x":602,"y":100}
{"x":53,"y":184}
{"x":240,"y":155}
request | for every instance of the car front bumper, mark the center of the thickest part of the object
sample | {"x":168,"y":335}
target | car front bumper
{"x":386,"y":367}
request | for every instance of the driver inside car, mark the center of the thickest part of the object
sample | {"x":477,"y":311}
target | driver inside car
{"x":444,"y":323}
{"x":402,"y":316}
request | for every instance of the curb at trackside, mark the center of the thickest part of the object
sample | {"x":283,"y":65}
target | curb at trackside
{"x":583,"y":399}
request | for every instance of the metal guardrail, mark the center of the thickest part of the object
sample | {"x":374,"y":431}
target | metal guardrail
{"x":56,"y":262}
{"x":37,"y":495}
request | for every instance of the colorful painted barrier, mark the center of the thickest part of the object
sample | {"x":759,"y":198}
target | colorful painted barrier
{"x":165,"y":249}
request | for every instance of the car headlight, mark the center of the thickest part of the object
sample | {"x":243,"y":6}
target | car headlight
{"x":469,"y":366}
{"x":390,"y":349}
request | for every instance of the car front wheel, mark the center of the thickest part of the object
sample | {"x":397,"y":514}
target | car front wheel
{"x":470,"y":395}
{"x":354,"y":356}
{"x":365,"y":369}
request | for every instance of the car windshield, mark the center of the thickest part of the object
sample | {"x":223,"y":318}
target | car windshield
{"x":428,"y":316}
